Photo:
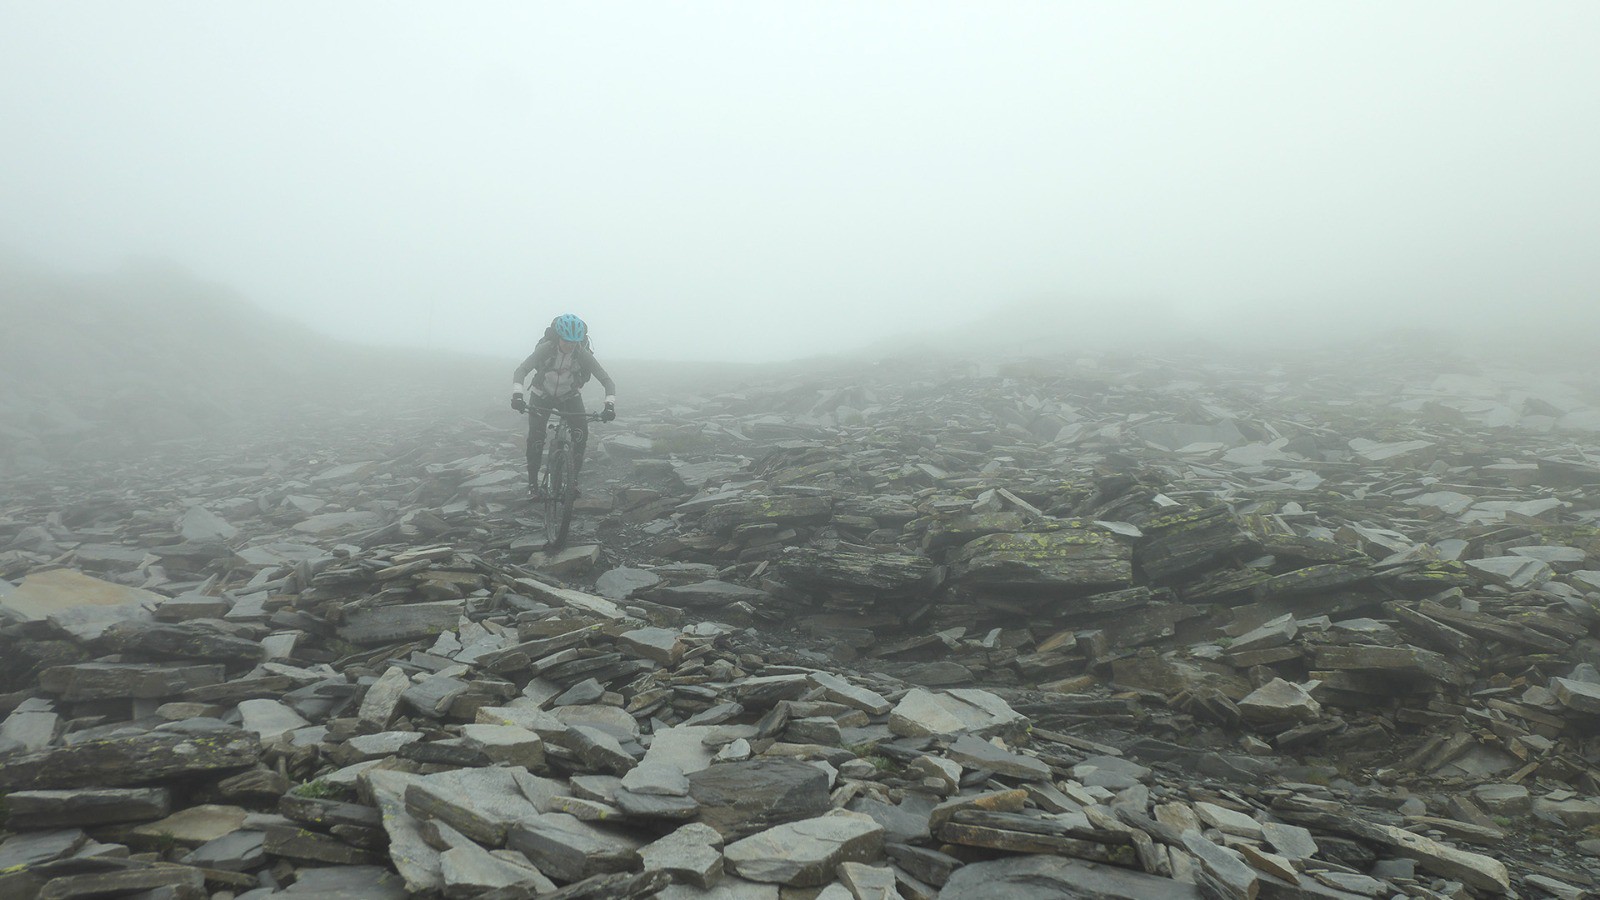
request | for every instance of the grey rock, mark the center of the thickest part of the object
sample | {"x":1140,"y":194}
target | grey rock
{"x":598,"y":749}
{"x":31,"y":810}
{"x":469,"y":870}
{"x":1579,"y":696}
{"x":691,"y":855}
{"x":609,"y":719}
{"x":347,"y":883}
{"x":118,"y":681}
{"x":418,"y":863}
{"x":130,"y":761}
{"x":920,"y":713}
{"x":663,"y":645}
{"x":30,"y":730}
{"x":567,"y":849}
{"x":623,"y":582}
{"x":1291,"y":841}
{"x":200,"y":524}
{"x":1279,"y":702}
{"x":269,"y":719}
{"x":976,"y":753}
{"x":395,"y":624}
{"x":79,"y":604}
{"x":505,"y":744}
{"x":807,"y":852}
{"x":1077,"y":559}
{"x":1229,"y":875}
{"x":336,"y":523}
{"x":1503,"y":799}
{"x":708,"y":595}
{"x":238,"y":851}
{"x":839,"y":690}
{"x":656,"y":778}
{"x":37,"y":847}
{"x":483,"y":804}
{"x":382,"y":700}
{"x":741,"y":798}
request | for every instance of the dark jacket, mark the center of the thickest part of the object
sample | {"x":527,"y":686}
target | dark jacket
{"x":543,"y":359}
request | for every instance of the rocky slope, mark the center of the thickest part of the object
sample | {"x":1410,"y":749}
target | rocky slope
{"x":1114,"y":627}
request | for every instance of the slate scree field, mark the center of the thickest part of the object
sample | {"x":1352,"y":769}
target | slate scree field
{"x":1107,"y":625}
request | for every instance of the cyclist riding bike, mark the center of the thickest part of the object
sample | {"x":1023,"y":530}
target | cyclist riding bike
{"x":561,"y":363}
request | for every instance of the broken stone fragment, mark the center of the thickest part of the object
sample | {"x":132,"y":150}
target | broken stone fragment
{"x":1472,"y":869}
{"x":196,"y":825}
{"x":1226,"y":873}
{"x":121,"y":762}
{"x":406,"y":622}
{"x":469,"y":871}
{"x":1078,"y":559}
{"x":1059,"y":876}
{"x":382,"y":700}
{"x":740,"y":798}
{"x":841,"y":691}
{"x":921,"y":713}
{"x":172,"y":641}
{"x":78,"y":604}
{"x":567,"y":849}
{"x":881,"y":574}
{"x":269,"y":719}
{"x":691,"y":855}
{"x":1579,"y":696}
{"x":416,"y":861}
{"x":707,"y":595}
{"x":506,"y":744}
{"x":32,"y":810}
{"x":976,"y":753}
{"x":623,"y":582}
{"x":806,"y":853}
{"x":1279,"y":702}
{"x":663,"y":645}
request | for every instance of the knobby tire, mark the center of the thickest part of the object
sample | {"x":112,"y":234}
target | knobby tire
{"x":555,"y":477}
{"x":568,"y":467}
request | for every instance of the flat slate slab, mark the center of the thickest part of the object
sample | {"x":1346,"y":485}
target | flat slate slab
{"x":88,"y":806}
{"x":808,"y":852}
{"x":123,"y":762}
{"x":79,"y":604}
{"x":406,"y":622}
{"x":1049,"y":877}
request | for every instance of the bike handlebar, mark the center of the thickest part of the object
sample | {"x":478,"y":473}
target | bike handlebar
{"x":591,"y":416}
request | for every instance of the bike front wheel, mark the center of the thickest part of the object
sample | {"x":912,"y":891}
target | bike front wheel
{"x":561,"y":498}
{"x":555,"y":498}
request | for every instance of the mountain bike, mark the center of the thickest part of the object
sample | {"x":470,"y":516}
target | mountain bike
{"x":558,"y":482}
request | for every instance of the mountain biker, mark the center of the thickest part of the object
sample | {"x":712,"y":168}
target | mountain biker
{"x":561,"y":363}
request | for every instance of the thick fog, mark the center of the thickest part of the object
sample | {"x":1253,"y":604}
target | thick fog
{"x":757,"y":181}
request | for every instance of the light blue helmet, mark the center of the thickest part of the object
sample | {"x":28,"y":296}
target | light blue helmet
{"x":569,"y":327}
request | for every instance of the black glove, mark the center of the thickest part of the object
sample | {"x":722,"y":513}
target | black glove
{"x":518,"y":404}
{"x":609,"y":413}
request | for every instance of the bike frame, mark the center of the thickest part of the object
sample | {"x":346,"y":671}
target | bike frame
{"x":557,"y":480}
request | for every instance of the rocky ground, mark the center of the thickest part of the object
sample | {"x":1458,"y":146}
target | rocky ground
{"x":1121,"y":627}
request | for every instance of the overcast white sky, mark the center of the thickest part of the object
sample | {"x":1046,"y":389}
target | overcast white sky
{"x":749,"y":180}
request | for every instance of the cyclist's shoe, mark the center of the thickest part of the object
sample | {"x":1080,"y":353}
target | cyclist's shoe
{"x":534,"y":494}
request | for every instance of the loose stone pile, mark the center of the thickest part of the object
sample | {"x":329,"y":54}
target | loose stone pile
{"x":1122,"y":630}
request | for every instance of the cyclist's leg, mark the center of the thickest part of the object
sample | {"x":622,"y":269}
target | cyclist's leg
{"x":536,"y":423}
{"x":580,"y":428}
